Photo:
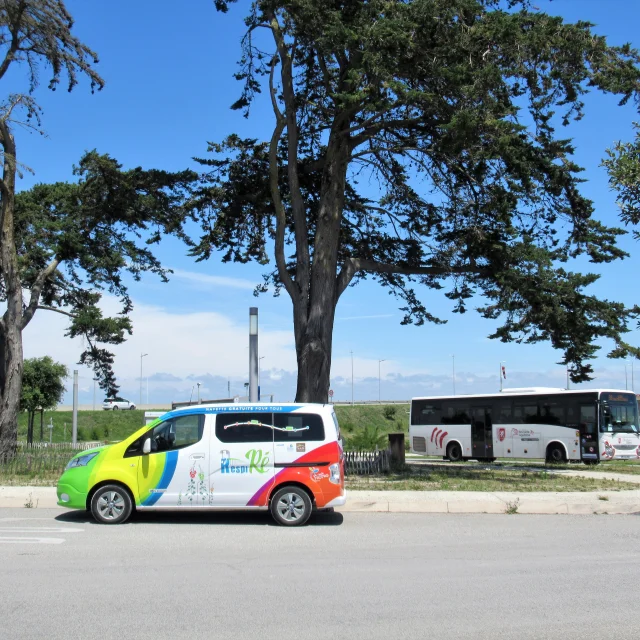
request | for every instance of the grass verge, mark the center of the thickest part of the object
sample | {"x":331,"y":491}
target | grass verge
{"x":443,"y":478}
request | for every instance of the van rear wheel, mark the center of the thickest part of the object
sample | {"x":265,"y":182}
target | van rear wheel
{"x":290,"y":506}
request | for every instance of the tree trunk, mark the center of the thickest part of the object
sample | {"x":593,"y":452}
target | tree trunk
{"x":11,"y":357}
{"x":313,"y":322}
{"x":313,"y":349}
{"x":41,"y":425}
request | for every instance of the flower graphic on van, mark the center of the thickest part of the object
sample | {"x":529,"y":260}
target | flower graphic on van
{"x":192,"y":472}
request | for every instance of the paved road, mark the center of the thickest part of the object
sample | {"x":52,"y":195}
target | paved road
{"x":369,"y":576}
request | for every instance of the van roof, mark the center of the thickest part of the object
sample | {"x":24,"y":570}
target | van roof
{"x":227,"y":407}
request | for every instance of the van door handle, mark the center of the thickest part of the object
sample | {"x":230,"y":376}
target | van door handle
{"x":196,"y":456}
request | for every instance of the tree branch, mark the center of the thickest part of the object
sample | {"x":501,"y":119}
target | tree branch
{"x":297,"y":201}
{"x":353,"y":265}
{"x":64,"y":313}
{"x":36,"y":289}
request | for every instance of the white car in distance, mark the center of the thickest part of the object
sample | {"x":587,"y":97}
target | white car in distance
{"x":113,"y":404}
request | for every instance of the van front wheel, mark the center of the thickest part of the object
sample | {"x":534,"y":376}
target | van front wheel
{"x":291,"y":506}
{"x":111,"y":504}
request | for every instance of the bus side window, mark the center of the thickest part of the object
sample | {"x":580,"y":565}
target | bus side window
{"x":503,"y":413}
{"x":429,"y":413}
{"x":588,"y":419}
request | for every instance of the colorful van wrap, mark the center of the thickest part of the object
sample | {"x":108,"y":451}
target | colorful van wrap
{"x":217,"y":457}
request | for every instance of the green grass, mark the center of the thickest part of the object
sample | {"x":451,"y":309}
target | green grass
{"x":111,"y":426}
{"x":449,"y":478}
{"x":377,"y":420}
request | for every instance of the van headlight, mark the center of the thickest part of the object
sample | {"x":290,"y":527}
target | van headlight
{"x":334,"y":473}
{"x":81,"y":461}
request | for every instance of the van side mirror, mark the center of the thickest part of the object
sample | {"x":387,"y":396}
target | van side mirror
{"x":146,"y":447}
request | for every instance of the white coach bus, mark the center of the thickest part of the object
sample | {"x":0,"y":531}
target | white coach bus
{"x":552,"y":424}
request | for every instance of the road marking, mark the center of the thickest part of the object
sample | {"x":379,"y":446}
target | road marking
{"x":38,"y":530}
{"x":17,"y":540}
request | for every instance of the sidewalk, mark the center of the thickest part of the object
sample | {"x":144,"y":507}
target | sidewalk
{"x":617,"y":502}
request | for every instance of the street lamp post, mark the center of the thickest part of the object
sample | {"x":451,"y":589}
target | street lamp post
{"x":142,"y":355}
{"x":379,"y":361}
{"x":501,"y":372}
{"x":352,"y":378}
{"x":453,"y":372}
{"x":198,"y":392}
{"x":253,"y":354}
{"x":260,"y":358}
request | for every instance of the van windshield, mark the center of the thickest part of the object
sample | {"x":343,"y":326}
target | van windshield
{"x":619,"y":413}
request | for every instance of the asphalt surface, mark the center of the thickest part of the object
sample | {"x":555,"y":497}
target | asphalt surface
{"x":351,"y":576}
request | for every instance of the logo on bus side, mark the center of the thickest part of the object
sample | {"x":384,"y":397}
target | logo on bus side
{"x":502,"y":434}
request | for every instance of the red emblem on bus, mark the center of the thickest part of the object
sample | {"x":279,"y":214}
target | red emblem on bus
{"x":502,"y":434}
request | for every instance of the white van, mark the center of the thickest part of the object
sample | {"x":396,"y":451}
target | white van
{"x":287,"y":458}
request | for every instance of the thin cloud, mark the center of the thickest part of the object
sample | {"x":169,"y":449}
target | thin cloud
{"x":382,"y":315}
{"x":206,"y":281}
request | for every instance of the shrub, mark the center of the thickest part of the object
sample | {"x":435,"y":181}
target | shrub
{"x":95,"y":434}
{"x":389,"y":412}
{"x":83,"y":436}
{"x":367,"y":439}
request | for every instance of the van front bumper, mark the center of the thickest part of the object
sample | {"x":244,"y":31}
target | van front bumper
{"x":70,"y":497}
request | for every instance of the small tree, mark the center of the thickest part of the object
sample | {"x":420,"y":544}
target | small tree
{"x":32,"y":33}
{"x":42,"y":389}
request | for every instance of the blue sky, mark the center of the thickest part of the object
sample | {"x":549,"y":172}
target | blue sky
{"x":168,"y":68}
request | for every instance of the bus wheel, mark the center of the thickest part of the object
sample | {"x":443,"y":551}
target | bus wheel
{"x":555,"y":453}
{"x":454,"y":452}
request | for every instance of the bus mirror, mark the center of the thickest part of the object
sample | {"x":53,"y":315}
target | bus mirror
{"x":607,"y":412}
{"x":146,"y":447}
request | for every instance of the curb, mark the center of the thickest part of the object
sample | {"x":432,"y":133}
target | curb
{"x":571,"y":503}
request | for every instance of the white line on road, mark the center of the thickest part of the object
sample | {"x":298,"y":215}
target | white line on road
{"x":17,"y":540}
{"x":38,"y":530}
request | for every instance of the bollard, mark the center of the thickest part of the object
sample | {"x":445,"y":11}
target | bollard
{"x":396,"y":446}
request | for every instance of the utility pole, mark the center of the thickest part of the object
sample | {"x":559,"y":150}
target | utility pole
{"x":351,"y":378}
{"x":198,"y":392}
{"x":501,"y":372}
{"x":379,"y":361}
{"x":453,"y":372}
{"x":142,"y":355}
{"x":74,"y":423}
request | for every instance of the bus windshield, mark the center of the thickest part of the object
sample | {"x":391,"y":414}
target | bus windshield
{"x":619,"y":413}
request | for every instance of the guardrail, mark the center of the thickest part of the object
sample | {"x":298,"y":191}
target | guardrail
{"x":367,"y":462}
{"x":56,"y":446}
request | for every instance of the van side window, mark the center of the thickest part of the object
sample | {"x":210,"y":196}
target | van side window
{"x":313,"y":421}
{"x":176,"y":433}
{"x":244,"y":427}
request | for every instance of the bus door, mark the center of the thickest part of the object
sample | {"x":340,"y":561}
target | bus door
{"x":589,"y":431}
{"x":481,"y":433}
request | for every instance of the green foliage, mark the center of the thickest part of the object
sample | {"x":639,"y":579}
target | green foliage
{"x":389,"y":412}
{"x":42,"y":384}
{"x":83,"y":435}
{"x":95,"y":434}
{"x":94,"y":231}
{"x":114,"y":425}
{"x":623,"y":165}
{"x":367,"y":438}
{"x":454,"y":109}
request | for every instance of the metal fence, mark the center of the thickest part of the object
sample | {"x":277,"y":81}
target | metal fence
{"x":53,"y":446}
{"x":367,"y":462}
